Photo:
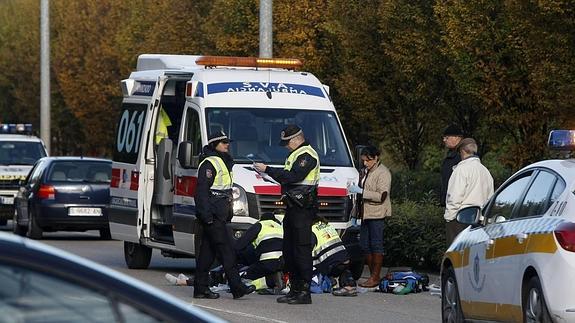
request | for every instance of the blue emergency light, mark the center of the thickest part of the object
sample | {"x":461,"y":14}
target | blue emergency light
{"x":562,"y":140}
{"x":16,"y":128}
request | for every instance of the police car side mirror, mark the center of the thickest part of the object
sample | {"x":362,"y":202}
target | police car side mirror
{"x":469,"y":215}
{"x":186,"y":155}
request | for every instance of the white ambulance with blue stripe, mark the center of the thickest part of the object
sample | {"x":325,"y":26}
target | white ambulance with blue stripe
{"x":516,"y":260}
{"x":251,"y":100}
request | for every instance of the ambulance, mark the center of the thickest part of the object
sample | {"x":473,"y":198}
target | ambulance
{"x":154,"y":172}
{"x":19,"y":150}
{"x":516,"y":260}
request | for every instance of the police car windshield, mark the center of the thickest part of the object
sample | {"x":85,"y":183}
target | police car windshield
{"x":20,"y":152}
{"x":256,"y":133}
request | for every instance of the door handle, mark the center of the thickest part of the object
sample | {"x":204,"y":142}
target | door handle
{"x":521,"y":237}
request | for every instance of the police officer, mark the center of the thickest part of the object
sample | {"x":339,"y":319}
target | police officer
{"x":260,"y":248}
{"x":213,"y":204}
{"x":330,"y":257}
{"x":299,"y":180}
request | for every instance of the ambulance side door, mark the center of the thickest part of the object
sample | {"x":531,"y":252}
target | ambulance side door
{"x":185,"y":225}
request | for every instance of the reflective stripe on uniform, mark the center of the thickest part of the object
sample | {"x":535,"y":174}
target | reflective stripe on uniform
{"x":327,"y":254}
{"x":223,"y":179}
{"x":312,"y":177}
{"x":270,"y":230}
{"x":270,"y":255}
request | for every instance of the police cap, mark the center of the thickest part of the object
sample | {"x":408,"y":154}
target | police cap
{"x":289,"y":132}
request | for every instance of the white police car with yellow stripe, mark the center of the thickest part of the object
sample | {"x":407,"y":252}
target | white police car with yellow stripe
{"x":516,"y":262}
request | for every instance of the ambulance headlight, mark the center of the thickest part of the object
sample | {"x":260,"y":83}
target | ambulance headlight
{"x":240,"y":201}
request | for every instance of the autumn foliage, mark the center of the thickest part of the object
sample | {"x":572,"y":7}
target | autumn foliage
{"x":399,"y":71}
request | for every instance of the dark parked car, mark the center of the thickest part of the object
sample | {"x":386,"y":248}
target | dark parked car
{"x":64,"y":194}
{"x":41,"y":283}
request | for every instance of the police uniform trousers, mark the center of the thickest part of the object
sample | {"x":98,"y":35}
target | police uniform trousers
{"x":297,"y":248}
{"x":216,"y":243}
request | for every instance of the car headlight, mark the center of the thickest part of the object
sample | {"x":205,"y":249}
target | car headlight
{"x":240,"y":201}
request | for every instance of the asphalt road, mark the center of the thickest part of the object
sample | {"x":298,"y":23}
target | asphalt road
{"x":366,"y":307}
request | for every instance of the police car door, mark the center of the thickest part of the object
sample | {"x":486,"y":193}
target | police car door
{"x":185,"y":225}
{"x":495,"y":263}
{"x":130,"y":150}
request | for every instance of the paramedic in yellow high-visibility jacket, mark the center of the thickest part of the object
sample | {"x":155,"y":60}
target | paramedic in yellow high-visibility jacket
{"x":162,"y":125}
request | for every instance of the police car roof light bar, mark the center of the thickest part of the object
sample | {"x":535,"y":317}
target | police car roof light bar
{"x":213,"y":61}
{"x":13,"y":128}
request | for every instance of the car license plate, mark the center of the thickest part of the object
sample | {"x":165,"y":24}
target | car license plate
{"x":85,"y":211}
{"x":6,"y":200}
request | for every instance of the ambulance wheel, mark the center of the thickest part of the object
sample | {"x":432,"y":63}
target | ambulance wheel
{"x":534,"y":307}
{"x":136,"y":255}
{"x":450,"y":303}
{"x":105,"y":234}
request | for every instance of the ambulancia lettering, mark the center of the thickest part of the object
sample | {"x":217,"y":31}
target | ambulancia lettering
{"x":233,"y":87}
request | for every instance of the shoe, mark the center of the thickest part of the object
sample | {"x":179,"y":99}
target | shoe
{"x":302,"y":296}
{"x":345,"y":292}
{"x":181,"y":280}
{"x":244,"y":291}
{"x":290,"y":295}
{"x":171,"y":279}
{"x":208,"y":294}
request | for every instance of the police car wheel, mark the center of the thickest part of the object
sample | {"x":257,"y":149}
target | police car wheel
{"x":136,"y":255}
{"x":17,"y":229}
{"x":534,"y":306}
{"x":450,"y":303}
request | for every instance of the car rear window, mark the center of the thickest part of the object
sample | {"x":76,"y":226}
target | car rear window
{"x":80,"y":171}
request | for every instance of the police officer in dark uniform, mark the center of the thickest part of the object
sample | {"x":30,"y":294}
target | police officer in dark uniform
{"x":214,"y":209}
{"x":299,"y":180}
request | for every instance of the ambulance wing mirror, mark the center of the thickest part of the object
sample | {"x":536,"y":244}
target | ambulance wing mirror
{"x":186,"y":155}
{"x":358,"y":161}
{"x":469,"y":215}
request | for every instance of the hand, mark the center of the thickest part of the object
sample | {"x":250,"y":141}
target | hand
{"x":355,"y":189}
{"x":260,"y":167}
{"x":354,"y":222}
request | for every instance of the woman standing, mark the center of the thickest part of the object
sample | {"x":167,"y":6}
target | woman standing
{"x":373,"y":206}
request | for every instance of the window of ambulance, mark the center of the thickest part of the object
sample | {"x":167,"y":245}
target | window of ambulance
{"x":20,"y":152}
{"x":256,"y":133}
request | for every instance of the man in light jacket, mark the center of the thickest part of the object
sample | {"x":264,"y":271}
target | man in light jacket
{"x":470,"y":184}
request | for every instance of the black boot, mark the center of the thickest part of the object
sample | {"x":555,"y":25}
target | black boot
{"x":293,"y":290}
{"x":207,"y":293}
{"x":303,"y":296}
{"x":245,"y":290}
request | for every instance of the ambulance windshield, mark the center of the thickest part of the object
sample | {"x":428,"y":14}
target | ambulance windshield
{"x":256,"y":133}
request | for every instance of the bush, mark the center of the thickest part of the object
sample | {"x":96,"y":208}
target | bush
{"x":416,"y":186}
{"x":415,"y":235}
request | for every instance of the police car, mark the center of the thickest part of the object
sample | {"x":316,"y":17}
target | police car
{"x":18,"y":152}
{"x":516,"y":260}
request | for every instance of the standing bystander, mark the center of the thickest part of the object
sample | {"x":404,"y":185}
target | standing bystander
{"x":470,"y":184}
{"x":451,"y":138}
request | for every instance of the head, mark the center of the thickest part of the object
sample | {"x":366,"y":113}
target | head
{"x":370,"y":156}
{"x":467,"y":147}
{"x":452,"y":136}
{"x":219,"y":142}
{"x":292,"y":137}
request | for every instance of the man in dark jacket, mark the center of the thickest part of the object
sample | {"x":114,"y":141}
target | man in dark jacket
{"x":451,"y":138}
{"x":214,"y":209}
{"x":299,"y":181}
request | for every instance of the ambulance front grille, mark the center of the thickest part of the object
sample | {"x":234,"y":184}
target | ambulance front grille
{"x":332,"y":208}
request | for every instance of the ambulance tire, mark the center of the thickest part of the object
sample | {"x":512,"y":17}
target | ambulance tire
{"x":136,"y":255}
{"x":105,"y":234}
{"x":450,"y":303}
{"x":534,"y":306}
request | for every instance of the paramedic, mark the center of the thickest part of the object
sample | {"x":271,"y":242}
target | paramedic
{"x":162,"y":126}
{"x":299,"y":180}
{"x":213,"y":205}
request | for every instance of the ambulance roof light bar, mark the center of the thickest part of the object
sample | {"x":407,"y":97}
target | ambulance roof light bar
{"x":213,"y":61}
{"x":16,"y":128}
{"x":562,"y":140}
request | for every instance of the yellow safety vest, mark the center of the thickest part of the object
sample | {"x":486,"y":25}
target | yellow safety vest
{"x":163,"y":123}
{"x":312,"y":177}
{"x":223,"y":179}
{"x":270,"y":230}
{"x":327,"y":237}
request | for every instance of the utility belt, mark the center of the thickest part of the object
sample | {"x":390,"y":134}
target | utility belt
{"x":303,"y":196}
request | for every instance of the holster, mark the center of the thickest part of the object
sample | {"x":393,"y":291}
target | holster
{"x":301,"y":196}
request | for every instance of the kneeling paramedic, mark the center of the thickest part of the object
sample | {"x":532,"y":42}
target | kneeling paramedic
{"x":260,"y":248}
{"x":330,"y":258}
{"x":214,"y":210}
{"x":299,"y":180}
